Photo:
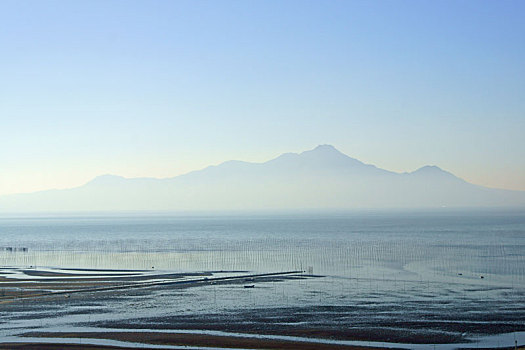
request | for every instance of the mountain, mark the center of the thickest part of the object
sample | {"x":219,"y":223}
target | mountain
{"x":322,"y":178}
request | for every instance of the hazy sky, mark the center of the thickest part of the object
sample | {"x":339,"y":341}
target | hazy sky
{"x":159,"y":88}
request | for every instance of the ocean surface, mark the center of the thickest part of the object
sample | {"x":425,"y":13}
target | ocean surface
{"x":460,"y":271}
{"x":429,"y":246}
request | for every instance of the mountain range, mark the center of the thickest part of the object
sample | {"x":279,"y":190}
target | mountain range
{"x":322,"y":178}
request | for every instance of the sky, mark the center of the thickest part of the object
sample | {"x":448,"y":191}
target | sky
{"x":160,"y":88}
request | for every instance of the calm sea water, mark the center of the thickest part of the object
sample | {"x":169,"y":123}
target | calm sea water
{"x":412,"y":275}
{"x":445,"y":246}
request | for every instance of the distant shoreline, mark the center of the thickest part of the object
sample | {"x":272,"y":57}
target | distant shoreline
{"x":256,"y":213}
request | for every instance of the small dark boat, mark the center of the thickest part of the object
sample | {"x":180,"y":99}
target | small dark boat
{"x":250,"y":286}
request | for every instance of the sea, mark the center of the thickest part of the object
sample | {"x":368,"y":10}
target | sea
{"x":455,"y":273}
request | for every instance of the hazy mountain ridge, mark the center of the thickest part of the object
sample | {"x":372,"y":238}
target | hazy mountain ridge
{"x":322,"y":178}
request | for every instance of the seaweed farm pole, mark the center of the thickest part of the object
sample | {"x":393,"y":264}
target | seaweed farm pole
{"x":215,"y":296}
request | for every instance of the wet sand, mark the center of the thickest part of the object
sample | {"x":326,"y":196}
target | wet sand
{"x":336,"y":322}
{"x":202,"y":340}
{"x":186,"y":340}
{"x":66,"y":283}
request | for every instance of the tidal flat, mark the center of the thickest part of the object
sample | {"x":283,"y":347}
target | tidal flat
{"x":417,"y":280}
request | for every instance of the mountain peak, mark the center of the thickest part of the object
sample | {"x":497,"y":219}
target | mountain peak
{"x":429,"y":169}
{"x":325,"y":148}
{"x":433,"y":170}
{"x":324,"y":151}
{"x":330,"y":154}
{"x":319,"y":153}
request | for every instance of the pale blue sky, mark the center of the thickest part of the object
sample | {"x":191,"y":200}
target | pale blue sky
{"x":159,"y":88}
